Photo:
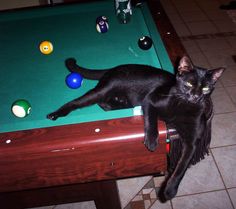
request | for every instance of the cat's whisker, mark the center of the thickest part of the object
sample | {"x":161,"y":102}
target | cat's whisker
{"x":170,"y":94}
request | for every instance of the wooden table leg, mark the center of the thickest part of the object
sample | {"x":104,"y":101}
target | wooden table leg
{"x":107,"y":195}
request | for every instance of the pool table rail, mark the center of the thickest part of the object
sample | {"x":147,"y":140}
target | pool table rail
{"x":74,"y":154}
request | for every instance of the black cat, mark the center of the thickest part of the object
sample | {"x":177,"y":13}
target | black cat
{"x":178,"y":100}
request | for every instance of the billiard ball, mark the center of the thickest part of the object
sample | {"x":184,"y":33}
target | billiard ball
{"x":74,"y":80}
{"x":102,"y":26}
{"x":21,"y":108}
{"x":145,"y":43}
{"x":46,"y":47}
{"x":101,"y":18}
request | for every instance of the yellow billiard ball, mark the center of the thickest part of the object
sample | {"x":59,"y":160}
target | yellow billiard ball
{"x":46,"y":47}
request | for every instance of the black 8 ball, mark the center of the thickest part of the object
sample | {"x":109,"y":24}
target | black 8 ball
{"x":145,"y":43}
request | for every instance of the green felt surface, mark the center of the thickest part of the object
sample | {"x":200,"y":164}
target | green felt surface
{"x":28,"y":74}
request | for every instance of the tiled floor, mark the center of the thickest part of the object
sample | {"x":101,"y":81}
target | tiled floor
{"x":209,"y":36}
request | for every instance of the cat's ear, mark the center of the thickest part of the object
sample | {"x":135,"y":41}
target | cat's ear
{"x":185,"y":65}
{"x":216,"y":73}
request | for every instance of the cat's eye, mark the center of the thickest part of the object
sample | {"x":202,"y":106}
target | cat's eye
{"x":205,"y":89}
{"x":188,"y":84}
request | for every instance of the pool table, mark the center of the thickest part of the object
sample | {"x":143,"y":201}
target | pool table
{"x":78,"y":157}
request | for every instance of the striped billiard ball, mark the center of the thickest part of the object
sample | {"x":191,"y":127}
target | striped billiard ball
{"x":21,"y":108}
{"x":102,"y":26}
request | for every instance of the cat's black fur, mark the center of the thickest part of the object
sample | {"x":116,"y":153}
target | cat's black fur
{"x":178,"y":100}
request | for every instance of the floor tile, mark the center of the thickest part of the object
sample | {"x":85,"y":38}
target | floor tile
{"x":218,"y":15}
{"x":80,"y":205}
{"x":147,"y":196}
{"x":212,"y":200}
{"x":232,"y":194}
{"x":213,"y":43}
{"x":191,"y":46}
{"x":218,"y":84}
{"x":220,"y":58}
{"x":232,"y":41}
{"x":159,"y":205}
{"x":128,"y":188}
{"x":186,"y":6}
{"x":168,"y":6}
{"x":222,"y":101}
{"x":181,"y":29}
{"x":226,"y":161}
{"x":202,"y":27}
{"x":44,"y":207}
{"x":224,"y":130}
{"x":224,"y":26}
{"x":175,"y":18}
{"x":201,"y":177}
{"x":200,"y":60}
{"x":232,"y":92}
{"x":229,"y":76}
{"x":193,"y":16}
{"x":208,"y":5}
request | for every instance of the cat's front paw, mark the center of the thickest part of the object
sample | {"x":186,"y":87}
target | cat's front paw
{"x":170,"y":192}
{"x":52,"y":116}
{"x":151,"y":144}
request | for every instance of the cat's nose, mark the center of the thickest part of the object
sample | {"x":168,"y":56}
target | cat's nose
{"x":195,"y":98}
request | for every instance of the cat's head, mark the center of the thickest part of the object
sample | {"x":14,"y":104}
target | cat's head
{"x":194,"y":83}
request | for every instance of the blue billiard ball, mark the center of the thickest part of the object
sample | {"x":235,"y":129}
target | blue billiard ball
{"x":74,"y":80}
{"x":101,"y":18}
{"x":102,"y":26}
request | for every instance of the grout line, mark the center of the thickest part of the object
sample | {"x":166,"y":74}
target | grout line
{"x":197,"y":193}
{"x":226,"y":86}
{"x":223,"y":146}
{"x":222,"y":178}
{"x":171,"y":204}
{"x":210,"y":36}
{"x":223,"y":113}
{"x":228,"y":94}
{"x":202,"y":36}
{"x":227,"y":190}
{"x":210,"y":20}
{"x":179,"y":14}
{"x":215,"y":35}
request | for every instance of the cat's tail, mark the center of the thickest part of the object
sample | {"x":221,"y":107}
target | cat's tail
{"x":86,"y":73}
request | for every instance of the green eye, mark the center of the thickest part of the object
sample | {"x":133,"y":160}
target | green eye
{"x":188,"y":84}
{"x":205,"y":89}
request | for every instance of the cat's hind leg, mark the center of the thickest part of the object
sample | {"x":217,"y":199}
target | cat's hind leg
{"x":91,"y":97}
{"x":172,"y":184}
{"x":115,"y":102}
